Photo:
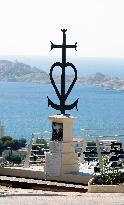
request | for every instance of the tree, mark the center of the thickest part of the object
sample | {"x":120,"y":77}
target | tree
{"x":11,"y":143}
{"x":22,"y":142}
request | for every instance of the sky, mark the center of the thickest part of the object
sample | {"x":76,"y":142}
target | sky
{"x":28,"y":26}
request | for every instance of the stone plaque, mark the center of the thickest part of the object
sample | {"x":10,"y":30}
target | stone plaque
{"x":53,"y":164}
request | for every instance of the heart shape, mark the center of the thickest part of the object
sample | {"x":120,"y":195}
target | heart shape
{"x":53,"y":82}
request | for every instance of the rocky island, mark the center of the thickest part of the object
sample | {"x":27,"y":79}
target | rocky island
{"x":102,"y":80}
{"x":20,"y":72}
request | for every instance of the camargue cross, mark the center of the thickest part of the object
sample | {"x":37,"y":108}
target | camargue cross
{"x":63,"y":65}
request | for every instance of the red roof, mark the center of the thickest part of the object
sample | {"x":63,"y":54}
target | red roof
{"x":78,"y":139}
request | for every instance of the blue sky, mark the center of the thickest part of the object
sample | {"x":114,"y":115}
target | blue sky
{"x":27,"y":26}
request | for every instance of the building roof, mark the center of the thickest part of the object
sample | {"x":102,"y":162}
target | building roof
{"x":78,"y":139}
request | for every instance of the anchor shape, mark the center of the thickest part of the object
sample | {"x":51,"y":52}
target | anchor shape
{"x":63,"y":96}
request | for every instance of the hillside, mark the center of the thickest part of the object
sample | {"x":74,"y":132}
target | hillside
{"x":20,"y":72}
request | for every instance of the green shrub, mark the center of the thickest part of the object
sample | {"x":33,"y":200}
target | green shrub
{"x":108,"y":175}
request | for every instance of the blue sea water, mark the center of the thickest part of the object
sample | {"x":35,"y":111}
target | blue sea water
{"x":24,"y":108}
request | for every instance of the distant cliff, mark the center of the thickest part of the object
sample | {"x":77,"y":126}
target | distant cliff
{"x":20,"y":72}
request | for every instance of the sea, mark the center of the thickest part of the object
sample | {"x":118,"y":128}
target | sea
{"x":24,"y":109}
{"x":24,"y":106}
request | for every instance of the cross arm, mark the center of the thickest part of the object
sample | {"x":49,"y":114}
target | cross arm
{"x":72,"y":46}
{"x":55,"y":46}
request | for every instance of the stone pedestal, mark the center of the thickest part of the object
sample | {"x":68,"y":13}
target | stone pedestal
{"x":62,"y":157}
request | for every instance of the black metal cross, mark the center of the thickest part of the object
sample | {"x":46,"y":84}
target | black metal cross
{"x":63,"y":96}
